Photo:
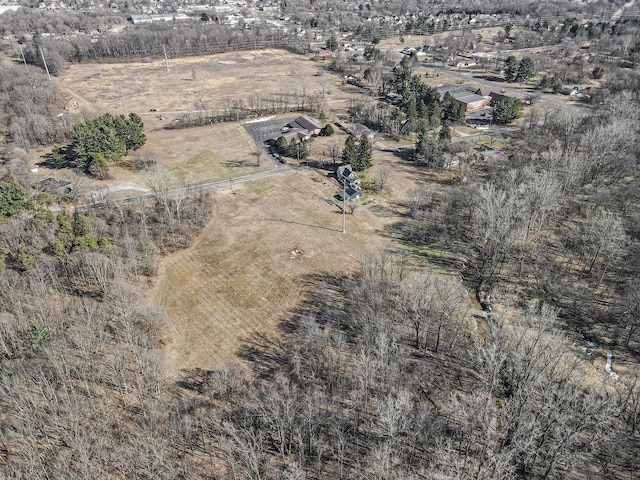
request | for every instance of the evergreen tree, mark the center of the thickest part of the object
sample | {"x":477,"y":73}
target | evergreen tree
{"x":511,"y":68}
{"x":452,"y":111}
{"x":103,"y":139}
{"x":327,"y":130}
{"x":507,"y":110}
{"x":427,"y":150}
{"x":332,"y":43}
{"x":526,"y":69}
{"x":435,"y":116}
{"x":136,"y":137}
{"x":350,"y":152}
{"x":364,"y":154}
{"x":12,"y":196}
{"x":598,"y":72}
{"x":411,"y":109}
{"x":282,"y":146}
{"x":445,"y":135}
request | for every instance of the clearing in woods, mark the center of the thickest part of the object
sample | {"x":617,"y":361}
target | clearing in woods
{"x":247,"y":270}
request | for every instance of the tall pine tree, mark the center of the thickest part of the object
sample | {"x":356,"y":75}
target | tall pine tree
{"x":364,"y":155}
{"x":350,"y":152}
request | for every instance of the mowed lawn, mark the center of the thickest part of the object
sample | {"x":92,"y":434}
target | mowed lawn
{"x":246,"y":272}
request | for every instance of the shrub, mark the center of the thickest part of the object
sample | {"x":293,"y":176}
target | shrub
{"x":598,"y":72}
{"x":327,"y":130}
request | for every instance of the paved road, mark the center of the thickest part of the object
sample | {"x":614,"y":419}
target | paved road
{"x":278,"y":170}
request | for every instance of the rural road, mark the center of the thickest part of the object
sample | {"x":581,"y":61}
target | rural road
{"x":278,"y":170}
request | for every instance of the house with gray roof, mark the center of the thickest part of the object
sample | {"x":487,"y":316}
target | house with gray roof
{"x":358,"y":129}
{"x":307,"y":124}
{"x":349,"y":194}
{"x":347,"y":176}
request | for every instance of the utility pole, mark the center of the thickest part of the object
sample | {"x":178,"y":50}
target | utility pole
{"x":124,"y":102}
{"x":344,"y":206}
{"x":45,"y":64}
{"x":24,"y":60}
{"x":166,"y":61}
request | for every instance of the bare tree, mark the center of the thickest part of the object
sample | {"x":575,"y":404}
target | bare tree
{"x":384,"y":174}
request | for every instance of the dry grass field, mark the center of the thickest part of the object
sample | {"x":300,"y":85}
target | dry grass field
{"x":193,"y":84}
{"x":249,"y":269}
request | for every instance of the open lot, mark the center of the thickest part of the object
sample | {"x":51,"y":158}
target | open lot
{"x":252,"y":265}
{"x":197,"y":84}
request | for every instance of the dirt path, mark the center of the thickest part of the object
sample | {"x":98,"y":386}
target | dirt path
{"x":84,"y":102}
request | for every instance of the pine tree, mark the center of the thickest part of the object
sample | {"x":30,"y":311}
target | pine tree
{"x":507,"y":110}
{"x":364,"y":155}
{"x":136,"y":137}
{"x":526,"y":70}
{"x":350,"y":152}
{"x":282,"y":145}
{"x":511,"y":67}
{"x":452,"y":111}
{"x":445,"y":134}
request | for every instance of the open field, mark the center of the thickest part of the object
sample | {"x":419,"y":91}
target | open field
{"x":204,"y":154}
{"x":249,"y":269}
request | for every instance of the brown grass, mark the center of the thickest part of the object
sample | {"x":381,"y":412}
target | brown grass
{"x":246,"y":272}
{"x":202,"y":154}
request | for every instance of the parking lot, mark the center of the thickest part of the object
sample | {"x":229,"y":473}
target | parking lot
{"x":263,"y":130}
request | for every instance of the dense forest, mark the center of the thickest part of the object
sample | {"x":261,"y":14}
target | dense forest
{"x":388,"y":373}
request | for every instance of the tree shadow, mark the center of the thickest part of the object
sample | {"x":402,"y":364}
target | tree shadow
{"x":490,"y":77}
{"x":49,"y":160}
{"x":403,"y":153}
{"x":268,"y":353}
{"x":236,"y":163}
